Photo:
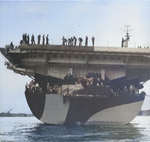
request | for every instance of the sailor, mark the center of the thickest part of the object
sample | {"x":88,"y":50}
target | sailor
{"x":32,"y":39}
{"x":12,"y":46}
{"x":27,"y":39}
{"x":32,"y":86}
{"x":75,"y":40}
{"x":39,"y":38}
{"x":86,"y":41}
{"x":83,"y":82}
{"x":37,"y":87}
{"x":80,"y":41}
{"x":43,"y":39}
{"x":55,"y":89}
{"x":93,"y":39}
{"x":21,"y":41}
{"x":71,"y":41}
{"x":23,"y":37}
{"x":90,"y":81}
{"x":125,"y":91}
{"x":63,"y":40}
{"x":27,"y":86}
{"x":48,"y":88}
{"x":131,"y":90}
{"x":122,"y":42}
{"x":47,"y":40}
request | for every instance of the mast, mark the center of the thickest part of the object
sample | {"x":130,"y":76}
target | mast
{"x":124,"y":42}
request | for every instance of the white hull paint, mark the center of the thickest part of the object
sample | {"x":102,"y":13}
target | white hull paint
{"x":55,"y":112}
{"x":122,"y":114}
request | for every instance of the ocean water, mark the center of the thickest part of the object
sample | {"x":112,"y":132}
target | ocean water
{"x":29,"y":129}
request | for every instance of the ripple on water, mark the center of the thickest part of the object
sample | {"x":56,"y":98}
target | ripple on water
{"x":30,"y":129}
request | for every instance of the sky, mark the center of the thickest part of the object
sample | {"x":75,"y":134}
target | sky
{"x":103,"y":19}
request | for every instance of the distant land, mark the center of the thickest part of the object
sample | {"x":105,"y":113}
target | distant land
{"x":144,"y":113}
{"x":8,"y":114}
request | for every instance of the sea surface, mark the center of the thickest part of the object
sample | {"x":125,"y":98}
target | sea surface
{"x":29,"y":129}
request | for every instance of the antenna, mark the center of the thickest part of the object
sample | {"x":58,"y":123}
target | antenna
{"x":124,"y":42}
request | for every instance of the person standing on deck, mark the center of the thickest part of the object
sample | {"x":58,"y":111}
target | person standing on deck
{"x":27,"y":39}
{"x":75,"y":40}
{"x":39,"y":38}
{"x":23,"y":38}
{"x":32,"y":39}
{"x":47,"y":40}
{"x":80,"y":41}
{"x":93,"y":39}
{"x":86,"y":41}
{"x":43,"y":39}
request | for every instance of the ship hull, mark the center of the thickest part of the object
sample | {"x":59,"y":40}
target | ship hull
{"x":68,"y":110}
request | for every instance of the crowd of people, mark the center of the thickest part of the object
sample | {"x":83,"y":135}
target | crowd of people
{"x":129,"y":91}
{"x":96,"y":79}
{"x":91,"y":79}
{"x":73,"y":41}
{"x":34,"y":87}
{"x":26,"y":39}
{"x":51,"y":89}
{"x":45,"y":40}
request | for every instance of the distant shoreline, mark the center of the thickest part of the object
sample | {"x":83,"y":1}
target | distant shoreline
{"x":141,"y":113}
{"x":15,"y":115}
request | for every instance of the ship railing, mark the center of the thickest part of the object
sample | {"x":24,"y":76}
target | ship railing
{"x":34,"y":87}
{"x":82,"y":95}
{"x":69,"y":90}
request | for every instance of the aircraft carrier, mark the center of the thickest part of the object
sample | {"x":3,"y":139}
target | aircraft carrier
{"x":81,"y":84}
